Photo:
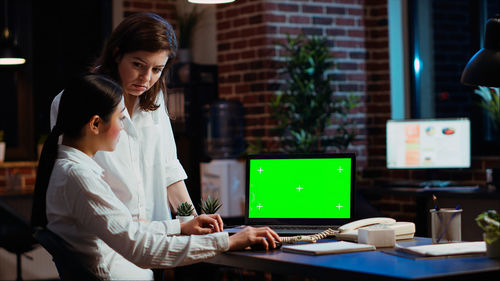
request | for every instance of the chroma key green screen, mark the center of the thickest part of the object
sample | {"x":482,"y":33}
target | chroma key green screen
{"x":300,"y":188}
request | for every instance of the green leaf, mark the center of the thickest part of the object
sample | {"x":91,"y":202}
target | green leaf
{"x":185,"y":209}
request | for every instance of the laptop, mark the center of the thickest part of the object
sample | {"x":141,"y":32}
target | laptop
{"x":298,"y":194}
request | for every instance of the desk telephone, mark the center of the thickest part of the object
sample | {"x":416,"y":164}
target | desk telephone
{"x":349,"y":231}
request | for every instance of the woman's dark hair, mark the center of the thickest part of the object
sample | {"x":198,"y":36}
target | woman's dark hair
{"x":139,"y":32}
{"x":84,"y":97}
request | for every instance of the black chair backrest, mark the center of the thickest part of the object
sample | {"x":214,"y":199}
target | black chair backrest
{"x":67,"y":261}
{"x":15,"y":231}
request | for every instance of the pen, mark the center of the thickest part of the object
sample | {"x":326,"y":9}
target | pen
{"x":434,"y":198}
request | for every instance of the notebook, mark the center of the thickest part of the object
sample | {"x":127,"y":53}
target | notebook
{"x":447,"y":249}
{"x":338,"y":247}
{"x":299,"y":193}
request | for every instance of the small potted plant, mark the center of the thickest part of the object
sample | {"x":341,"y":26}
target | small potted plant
{"x":210,"y":205}
{"x":185,"y":212}
{"x":489,"y":221}
{"x":2,"y":147}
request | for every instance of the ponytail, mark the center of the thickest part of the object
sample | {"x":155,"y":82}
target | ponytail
{"x":44,"y":171}
{"x":86,"y":96}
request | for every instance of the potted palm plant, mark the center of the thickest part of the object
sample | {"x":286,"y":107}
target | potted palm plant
{"x":307,"y":104}
{"x":489,"y":221}
{"x":185,"y":212}
{"x":186,"y":23}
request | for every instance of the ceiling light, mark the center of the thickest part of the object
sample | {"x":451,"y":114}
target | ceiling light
{"x":9,"y":52}
{"x":210,"y":1}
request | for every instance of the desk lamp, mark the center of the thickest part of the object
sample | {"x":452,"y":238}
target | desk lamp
{"x":483,"y":69}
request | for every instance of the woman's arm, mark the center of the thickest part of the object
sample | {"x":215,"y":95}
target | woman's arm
{"x":177,"y":193}
{"x":147,"y":244}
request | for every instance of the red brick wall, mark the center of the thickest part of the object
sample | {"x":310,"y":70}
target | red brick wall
{"x":164,"y":8}
{"x":18,"y":176}
{"x":249,"y":59}
{"x":378,"y":107}
{"x":357,"y":31}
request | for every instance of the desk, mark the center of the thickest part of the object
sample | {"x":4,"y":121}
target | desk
{"x":472,"y":203}
{"x":373,"y":265}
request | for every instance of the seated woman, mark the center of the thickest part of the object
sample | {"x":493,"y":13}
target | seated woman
{"x":73,"y":200}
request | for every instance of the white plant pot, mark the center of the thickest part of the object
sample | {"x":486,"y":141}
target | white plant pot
{"x":184,"y":218}
{"x":2,"y":151}
{"x":493,"y":249}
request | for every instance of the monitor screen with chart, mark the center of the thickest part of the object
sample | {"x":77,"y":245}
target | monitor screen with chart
{"x":428,"y":143}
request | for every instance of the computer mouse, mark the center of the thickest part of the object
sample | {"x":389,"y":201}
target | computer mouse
{"x":261,"y":247}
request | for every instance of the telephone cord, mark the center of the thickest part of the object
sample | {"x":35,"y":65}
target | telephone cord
{"x":309,"y":238}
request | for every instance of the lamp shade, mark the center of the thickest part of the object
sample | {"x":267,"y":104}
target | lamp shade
{"x":483,"y":69}
{"x":210,"y":1}
{"x":9,"y":52}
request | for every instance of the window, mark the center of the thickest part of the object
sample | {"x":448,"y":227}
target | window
{"x":438,"y":39}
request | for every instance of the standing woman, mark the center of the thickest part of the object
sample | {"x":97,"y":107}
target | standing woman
{"x":143,"y":171}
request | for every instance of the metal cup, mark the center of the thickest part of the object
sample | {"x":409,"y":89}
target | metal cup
{"x":446,"y":225}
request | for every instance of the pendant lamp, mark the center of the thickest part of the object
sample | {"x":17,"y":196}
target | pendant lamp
{"x":9,"y":51}
{"x":210,"y":1}
{"x":483,"y":69}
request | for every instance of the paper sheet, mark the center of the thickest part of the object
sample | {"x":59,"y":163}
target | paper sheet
{"x":447,"y":249}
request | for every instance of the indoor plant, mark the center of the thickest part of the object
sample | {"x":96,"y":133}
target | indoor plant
{"x":490,"y":101}
{"x":489,"y":221}
{"x":186,"y":22}
{"x":185,"y":212}
{"x":307,"y":105}
{"x":210,"y":205}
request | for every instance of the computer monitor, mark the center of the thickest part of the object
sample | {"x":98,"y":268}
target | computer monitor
{"x":428,"y":143}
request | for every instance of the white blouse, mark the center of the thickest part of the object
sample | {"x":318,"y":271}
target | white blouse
{"x":84,"y":211}
{"x":144,"y":162}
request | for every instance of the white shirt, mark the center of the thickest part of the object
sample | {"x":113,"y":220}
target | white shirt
{"x":84,"y":211}
{"x":144,"y":162}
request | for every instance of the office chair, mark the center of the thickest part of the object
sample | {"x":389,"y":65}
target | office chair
{"x":67,"y":262}
{"x":15,"y":234}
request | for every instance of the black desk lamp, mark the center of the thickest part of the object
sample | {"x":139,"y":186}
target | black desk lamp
{"x":483,"y":69}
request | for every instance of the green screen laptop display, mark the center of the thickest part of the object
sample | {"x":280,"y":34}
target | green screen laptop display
{"x":308,"y":186}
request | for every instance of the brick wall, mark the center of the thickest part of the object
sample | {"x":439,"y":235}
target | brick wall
{"x":357,"y":30}
{"x":19,"y":176}
{"x":164,"y":8}
{"x":249,"y":58}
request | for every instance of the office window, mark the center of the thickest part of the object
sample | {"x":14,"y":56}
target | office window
{"x":442,"y":35}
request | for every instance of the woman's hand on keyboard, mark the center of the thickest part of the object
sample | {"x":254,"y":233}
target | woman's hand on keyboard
{"x":202,"y":224}
{"x":251,"y":236}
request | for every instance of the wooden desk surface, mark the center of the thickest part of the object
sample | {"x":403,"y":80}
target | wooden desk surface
{"x":374,"y":265}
